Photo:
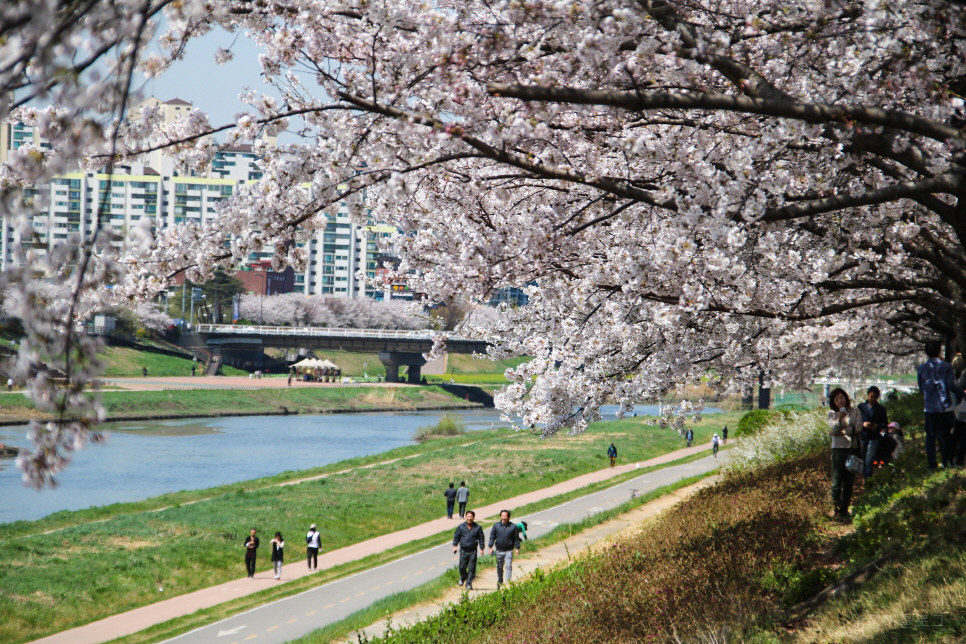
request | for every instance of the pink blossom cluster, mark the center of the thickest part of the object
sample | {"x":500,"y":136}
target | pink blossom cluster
{"x":689,"y":192}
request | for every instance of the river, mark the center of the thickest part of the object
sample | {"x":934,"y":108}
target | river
{"x":142,"y":459}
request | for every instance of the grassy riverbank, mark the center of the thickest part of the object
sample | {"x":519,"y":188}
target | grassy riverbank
{"x":50,"y":582}
{"x":213,"y":402}
{"x":126,"y":362}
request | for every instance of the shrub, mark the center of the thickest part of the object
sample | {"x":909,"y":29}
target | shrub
{"x":907,"y":410}
{"x":752,"y":422}
{"x":447,"y":426}
{"x":782,"y":436}
{"x":791,"y":407}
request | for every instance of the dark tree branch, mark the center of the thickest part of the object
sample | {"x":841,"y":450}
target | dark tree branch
{"x":806,"y":112}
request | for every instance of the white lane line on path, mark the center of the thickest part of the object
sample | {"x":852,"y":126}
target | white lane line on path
{"x":310,"y":590}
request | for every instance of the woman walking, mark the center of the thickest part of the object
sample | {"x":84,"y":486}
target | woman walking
{"x":277,"y":545}
{"x":844,"y":422}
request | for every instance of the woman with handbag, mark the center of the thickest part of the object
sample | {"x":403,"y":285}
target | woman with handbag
{"x":844,"y":422}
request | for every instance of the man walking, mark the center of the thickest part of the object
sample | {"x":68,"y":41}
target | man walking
{"x":462,"y":496}
{"x":690,"y":436}
{"x":504,"y":538}
{"x":312,"y":543}
{"x":251,"y":549}
{"x":450,"y":495}
{"x":936,"y":381}
{"x":467,"y":538}
{"x":612,"y":453}
{"x":724,"y":435}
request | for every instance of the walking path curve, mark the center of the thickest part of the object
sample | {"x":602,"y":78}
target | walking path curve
{"x":141,"y":618}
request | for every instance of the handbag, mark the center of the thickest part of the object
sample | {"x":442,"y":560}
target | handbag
{"x":854,"y":464}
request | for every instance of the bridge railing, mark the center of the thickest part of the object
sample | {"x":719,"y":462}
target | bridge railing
{"x":311,"y":331}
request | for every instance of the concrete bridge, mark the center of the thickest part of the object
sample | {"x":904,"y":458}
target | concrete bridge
{"x":396,"y":348}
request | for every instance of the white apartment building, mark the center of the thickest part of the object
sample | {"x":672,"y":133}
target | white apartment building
{"x":152,"y":188}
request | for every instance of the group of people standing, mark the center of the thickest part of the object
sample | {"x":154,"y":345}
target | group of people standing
{"x":865,"y":435}
{"x":312,"y":544}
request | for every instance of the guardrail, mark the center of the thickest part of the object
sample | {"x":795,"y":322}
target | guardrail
{"x":311,"y":331}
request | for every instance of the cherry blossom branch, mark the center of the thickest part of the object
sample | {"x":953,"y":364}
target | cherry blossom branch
{"x":805,"y":112}
{"x":618,"y":188}
{"x":903,"y":190}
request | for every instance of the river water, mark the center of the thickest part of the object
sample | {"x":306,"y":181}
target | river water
{"x":142,"y":459}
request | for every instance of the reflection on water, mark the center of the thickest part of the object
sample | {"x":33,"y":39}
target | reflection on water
{"x":142,"y":459}
{"x":187,"y":428}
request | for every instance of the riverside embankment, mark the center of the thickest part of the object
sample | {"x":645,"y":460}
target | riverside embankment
{"x":215,"y":397}
{"x":112,"y":559}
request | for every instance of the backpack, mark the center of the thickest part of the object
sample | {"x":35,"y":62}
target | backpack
{"x":935,"y":384}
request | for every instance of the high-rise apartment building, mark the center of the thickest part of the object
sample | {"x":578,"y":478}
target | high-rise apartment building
{"x":153,"y":188}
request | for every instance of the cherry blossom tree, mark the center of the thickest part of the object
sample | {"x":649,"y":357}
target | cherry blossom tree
{"x":726,"y":187}
{"x":295,"y":309}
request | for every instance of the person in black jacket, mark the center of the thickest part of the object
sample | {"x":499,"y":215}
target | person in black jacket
{"x":875,"y":420}
{"x":251,"y":549}
{"x":450,"y":495}
{"x":467,"y":538}
{"x":505,"y":536}
{"x":278,"y":554}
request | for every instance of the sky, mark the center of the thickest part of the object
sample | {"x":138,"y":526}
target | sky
{"x":212,"y":88}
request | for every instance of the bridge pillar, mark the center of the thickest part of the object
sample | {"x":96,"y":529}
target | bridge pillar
{"x":395,"y":359}
{"x":413,"y":374}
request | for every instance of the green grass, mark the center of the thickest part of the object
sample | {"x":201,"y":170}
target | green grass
{"x":54,"y":581}
{"x":469,"y":379}
{"x":462,"y":364}
{"x":214,"y":402}
{"x":125,"y":362}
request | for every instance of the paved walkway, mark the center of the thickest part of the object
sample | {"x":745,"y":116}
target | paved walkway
{"x":559,"y":554}
{"x":141,"y":618}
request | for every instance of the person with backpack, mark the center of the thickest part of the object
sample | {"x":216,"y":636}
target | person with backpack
{"x":312,"y":544}
{"x":937,"y":382}
{"x":612,"y":454}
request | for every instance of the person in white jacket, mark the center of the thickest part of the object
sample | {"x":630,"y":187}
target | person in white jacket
{"x":312,"y":542}
{"x":845,"y":422}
